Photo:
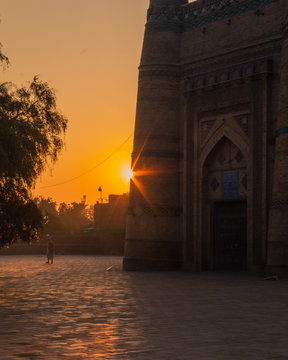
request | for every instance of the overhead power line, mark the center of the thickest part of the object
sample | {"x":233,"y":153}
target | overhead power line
{"x":92,"y":169}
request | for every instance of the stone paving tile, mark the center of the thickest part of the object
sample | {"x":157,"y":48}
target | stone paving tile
{"x":75,"y":309}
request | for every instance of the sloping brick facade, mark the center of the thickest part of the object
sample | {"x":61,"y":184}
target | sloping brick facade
{"x":210,"y":158}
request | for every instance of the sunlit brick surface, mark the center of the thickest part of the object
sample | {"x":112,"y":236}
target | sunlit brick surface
{"x":75,"y":309}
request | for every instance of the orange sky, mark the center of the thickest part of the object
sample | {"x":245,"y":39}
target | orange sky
{"x":89,"y":51}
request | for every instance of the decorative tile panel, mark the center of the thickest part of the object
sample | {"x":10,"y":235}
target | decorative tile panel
{"x":230,"y":184}
{"x":205,"y":127}
{"x":239,"y":156}
{"x":214,"y":184}
{"x":199,"y":13}
{"x":243,"y":121}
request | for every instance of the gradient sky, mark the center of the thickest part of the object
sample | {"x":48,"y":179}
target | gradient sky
{"x":89,"y":51}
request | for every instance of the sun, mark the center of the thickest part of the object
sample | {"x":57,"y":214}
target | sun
{"x":126,"y":172}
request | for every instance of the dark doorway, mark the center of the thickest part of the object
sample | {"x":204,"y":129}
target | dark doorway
{"x":230,"y":235}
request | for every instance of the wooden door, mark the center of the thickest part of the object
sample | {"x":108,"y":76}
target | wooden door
{"x":230,"y":235}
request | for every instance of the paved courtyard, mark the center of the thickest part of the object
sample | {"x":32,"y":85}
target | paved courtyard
{"x":75,"y":309}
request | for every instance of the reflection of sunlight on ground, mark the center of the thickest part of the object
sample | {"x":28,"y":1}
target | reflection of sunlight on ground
{"x":69,"y":308}
{"x":75,"y":309}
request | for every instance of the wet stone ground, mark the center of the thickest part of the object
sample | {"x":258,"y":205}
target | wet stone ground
{"x":75,"y":309}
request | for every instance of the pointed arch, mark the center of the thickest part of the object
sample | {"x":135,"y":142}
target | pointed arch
{"x":230,"y":134}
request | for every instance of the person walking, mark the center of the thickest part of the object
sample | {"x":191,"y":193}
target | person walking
{"x":50,"y":249}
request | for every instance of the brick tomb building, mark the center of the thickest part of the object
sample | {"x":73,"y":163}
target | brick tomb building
{"x":210,"y":157}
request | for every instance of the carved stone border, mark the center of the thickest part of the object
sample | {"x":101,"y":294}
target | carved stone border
{"x":228,"y":74}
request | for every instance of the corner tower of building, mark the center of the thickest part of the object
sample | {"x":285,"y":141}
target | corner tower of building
{"x":278,"y":222}
{"x":153,"y":238}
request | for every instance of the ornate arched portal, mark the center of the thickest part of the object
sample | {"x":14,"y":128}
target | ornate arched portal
{"x":224,"y":208}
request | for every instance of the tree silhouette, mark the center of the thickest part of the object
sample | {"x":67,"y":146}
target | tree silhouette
{"x":67,"y":219}
{"x":31,"y":130}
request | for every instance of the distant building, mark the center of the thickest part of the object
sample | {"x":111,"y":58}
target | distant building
{"x":210,"y":157}
{"x":111,"y":216}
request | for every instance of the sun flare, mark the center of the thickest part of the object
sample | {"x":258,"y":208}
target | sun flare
{"x":126,"y":172}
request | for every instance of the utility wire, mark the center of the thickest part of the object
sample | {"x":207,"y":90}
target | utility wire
{"x":92,"y":169}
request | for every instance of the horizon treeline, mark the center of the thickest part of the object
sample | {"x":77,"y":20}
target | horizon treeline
{"x":65,"y":218}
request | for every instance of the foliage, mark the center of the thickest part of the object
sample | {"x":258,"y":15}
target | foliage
{"x":3,"y":58}
{"x":49,"y":213}
{"x":31,"y":130}
{"x":67,"y":219}
{"x":19,"y":216}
